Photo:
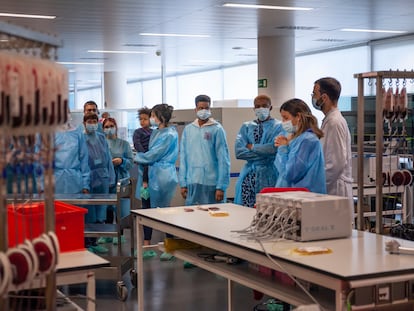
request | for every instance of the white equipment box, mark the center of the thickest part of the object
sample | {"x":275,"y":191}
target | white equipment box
{"x":312,"y":216}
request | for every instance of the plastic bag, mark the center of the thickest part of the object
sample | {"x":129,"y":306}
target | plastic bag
{"x":144,"y":192}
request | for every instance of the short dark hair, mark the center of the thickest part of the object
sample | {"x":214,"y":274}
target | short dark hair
{"x":202,"y":98}
{"x":163,"y":112}
{"x":144,"y":110}
{"x":330,"y":86}
{"x":90,"y":102}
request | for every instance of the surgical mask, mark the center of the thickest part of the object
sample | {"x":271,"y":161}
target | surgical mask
{"x":153,"y":123}
{"x":262,"y":113}
{"x":91,"y":128}
{"x":203,"y":114}
{"x":110,"y":131}
{"x":316,"y":105}
{"x":289,"y":127}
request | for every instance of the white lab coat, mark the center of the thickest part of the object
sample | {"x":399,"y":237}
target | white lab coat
{"x":336,"y":145}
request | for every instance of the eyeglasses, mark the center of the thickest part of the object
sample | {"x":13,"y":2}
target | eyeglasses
{"x":109,"y":126}
{"x":91,"y":110}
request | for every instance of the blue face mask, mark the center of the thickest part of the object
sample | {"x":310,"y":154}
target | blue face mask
{"x":91,"y":128}
{"x":262,"y":113}
{"x":316,"y":105}
{"x":110,"y":131}
{"x":203,"y":114}
{"x":289,"y":127}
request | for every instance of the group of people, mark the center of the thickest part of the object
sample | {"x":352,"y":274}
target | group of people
{"x":90,"y":158}
{"x":293,"y":152}
{"x":296,"y":152}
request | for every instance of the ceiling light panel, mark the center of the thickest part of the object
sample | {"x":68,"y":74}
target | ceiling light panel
{"x":3,"y":14}
{"x":265,"y":7}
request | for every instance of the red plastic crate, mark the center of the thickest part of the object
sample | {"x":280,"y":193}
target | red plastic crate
{"x":26,"y":221}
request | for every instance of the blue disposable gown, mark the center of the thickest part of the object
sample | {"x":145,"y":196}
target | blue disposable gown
{"x":100,"y":163}
{"x":259,"y":159}
{"x":102,"y":173}
{"x":161,"y":157}
{"x":204,"y":162}
{"x":72,"y":173}
{"x":120,"y":148}
{"x":21,"y":175}
{"x":301,"y":163}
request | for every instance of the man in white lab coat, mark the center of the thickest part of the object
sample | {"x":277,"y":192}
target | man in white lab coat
{"x":336,"y":142}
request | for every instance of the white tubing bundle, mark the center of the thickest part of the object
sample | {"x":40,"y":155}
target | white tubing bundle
{"x":34,"y":94}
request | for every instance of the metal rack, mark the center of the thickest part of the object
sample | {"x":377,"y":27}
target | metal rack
{"x":21,"y":116}
{"x":379,"y":77}
{"x":119,"y":263}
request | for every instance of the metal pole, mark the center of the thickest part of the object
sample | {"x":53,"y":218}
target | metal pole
{"x":360,"y":146}
{"x":379,"y":129}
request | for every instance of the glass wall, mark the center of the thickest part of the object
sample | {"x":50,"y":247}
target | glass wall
{"x":241,"y":82}
{"x":394,"y":55}
{"x":341,"y":64}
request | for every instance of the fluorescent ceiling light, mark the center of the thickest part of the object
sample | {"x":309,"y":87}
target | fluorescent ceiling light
{"x":2,"y":14}
{"x":172,"y":35}
{"x":116,"y":52}
{"x":373,"y":30}
{"x":79,"y":63}
{"x":267,"y":7}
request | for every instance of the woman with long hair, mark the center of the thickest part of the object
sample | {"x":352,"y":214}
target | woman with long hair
{"x":299,"y":160}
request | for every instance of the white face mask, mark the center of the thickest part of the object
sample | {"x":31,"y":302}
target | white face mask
{"x":289,"y":127}
{"x":262,"y":113}
{"x":153,"y":123}
{"x":203,"y":114}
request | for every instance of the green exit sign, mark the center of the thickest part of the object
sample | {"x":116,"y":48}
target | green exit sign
{"x":262,"y":83}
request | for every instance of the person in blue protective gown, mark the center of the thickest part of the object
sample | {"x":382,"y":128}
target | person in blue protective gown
{"x":122,"y":160}
{"x":161,"y":157}
{"x":141,"y":140}
{"x":71,"y":171}
{"x":22,"y":168}
{"x":255,"y":144}
{"x":102,"y":173}
{"x":299,"y":160}
{"x":204,"y":172}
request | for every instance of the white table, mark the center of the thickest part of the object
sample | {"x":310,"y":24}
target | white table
{"x":76,"y":268}
{"x":355,"y":262}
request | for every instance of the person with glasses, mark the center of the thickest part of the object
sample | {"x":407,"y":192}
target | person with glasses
{"x":91,"y":107}
{"x":336,"y":143}
{"x":254,"y":144}
{"x":102,"y":174}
